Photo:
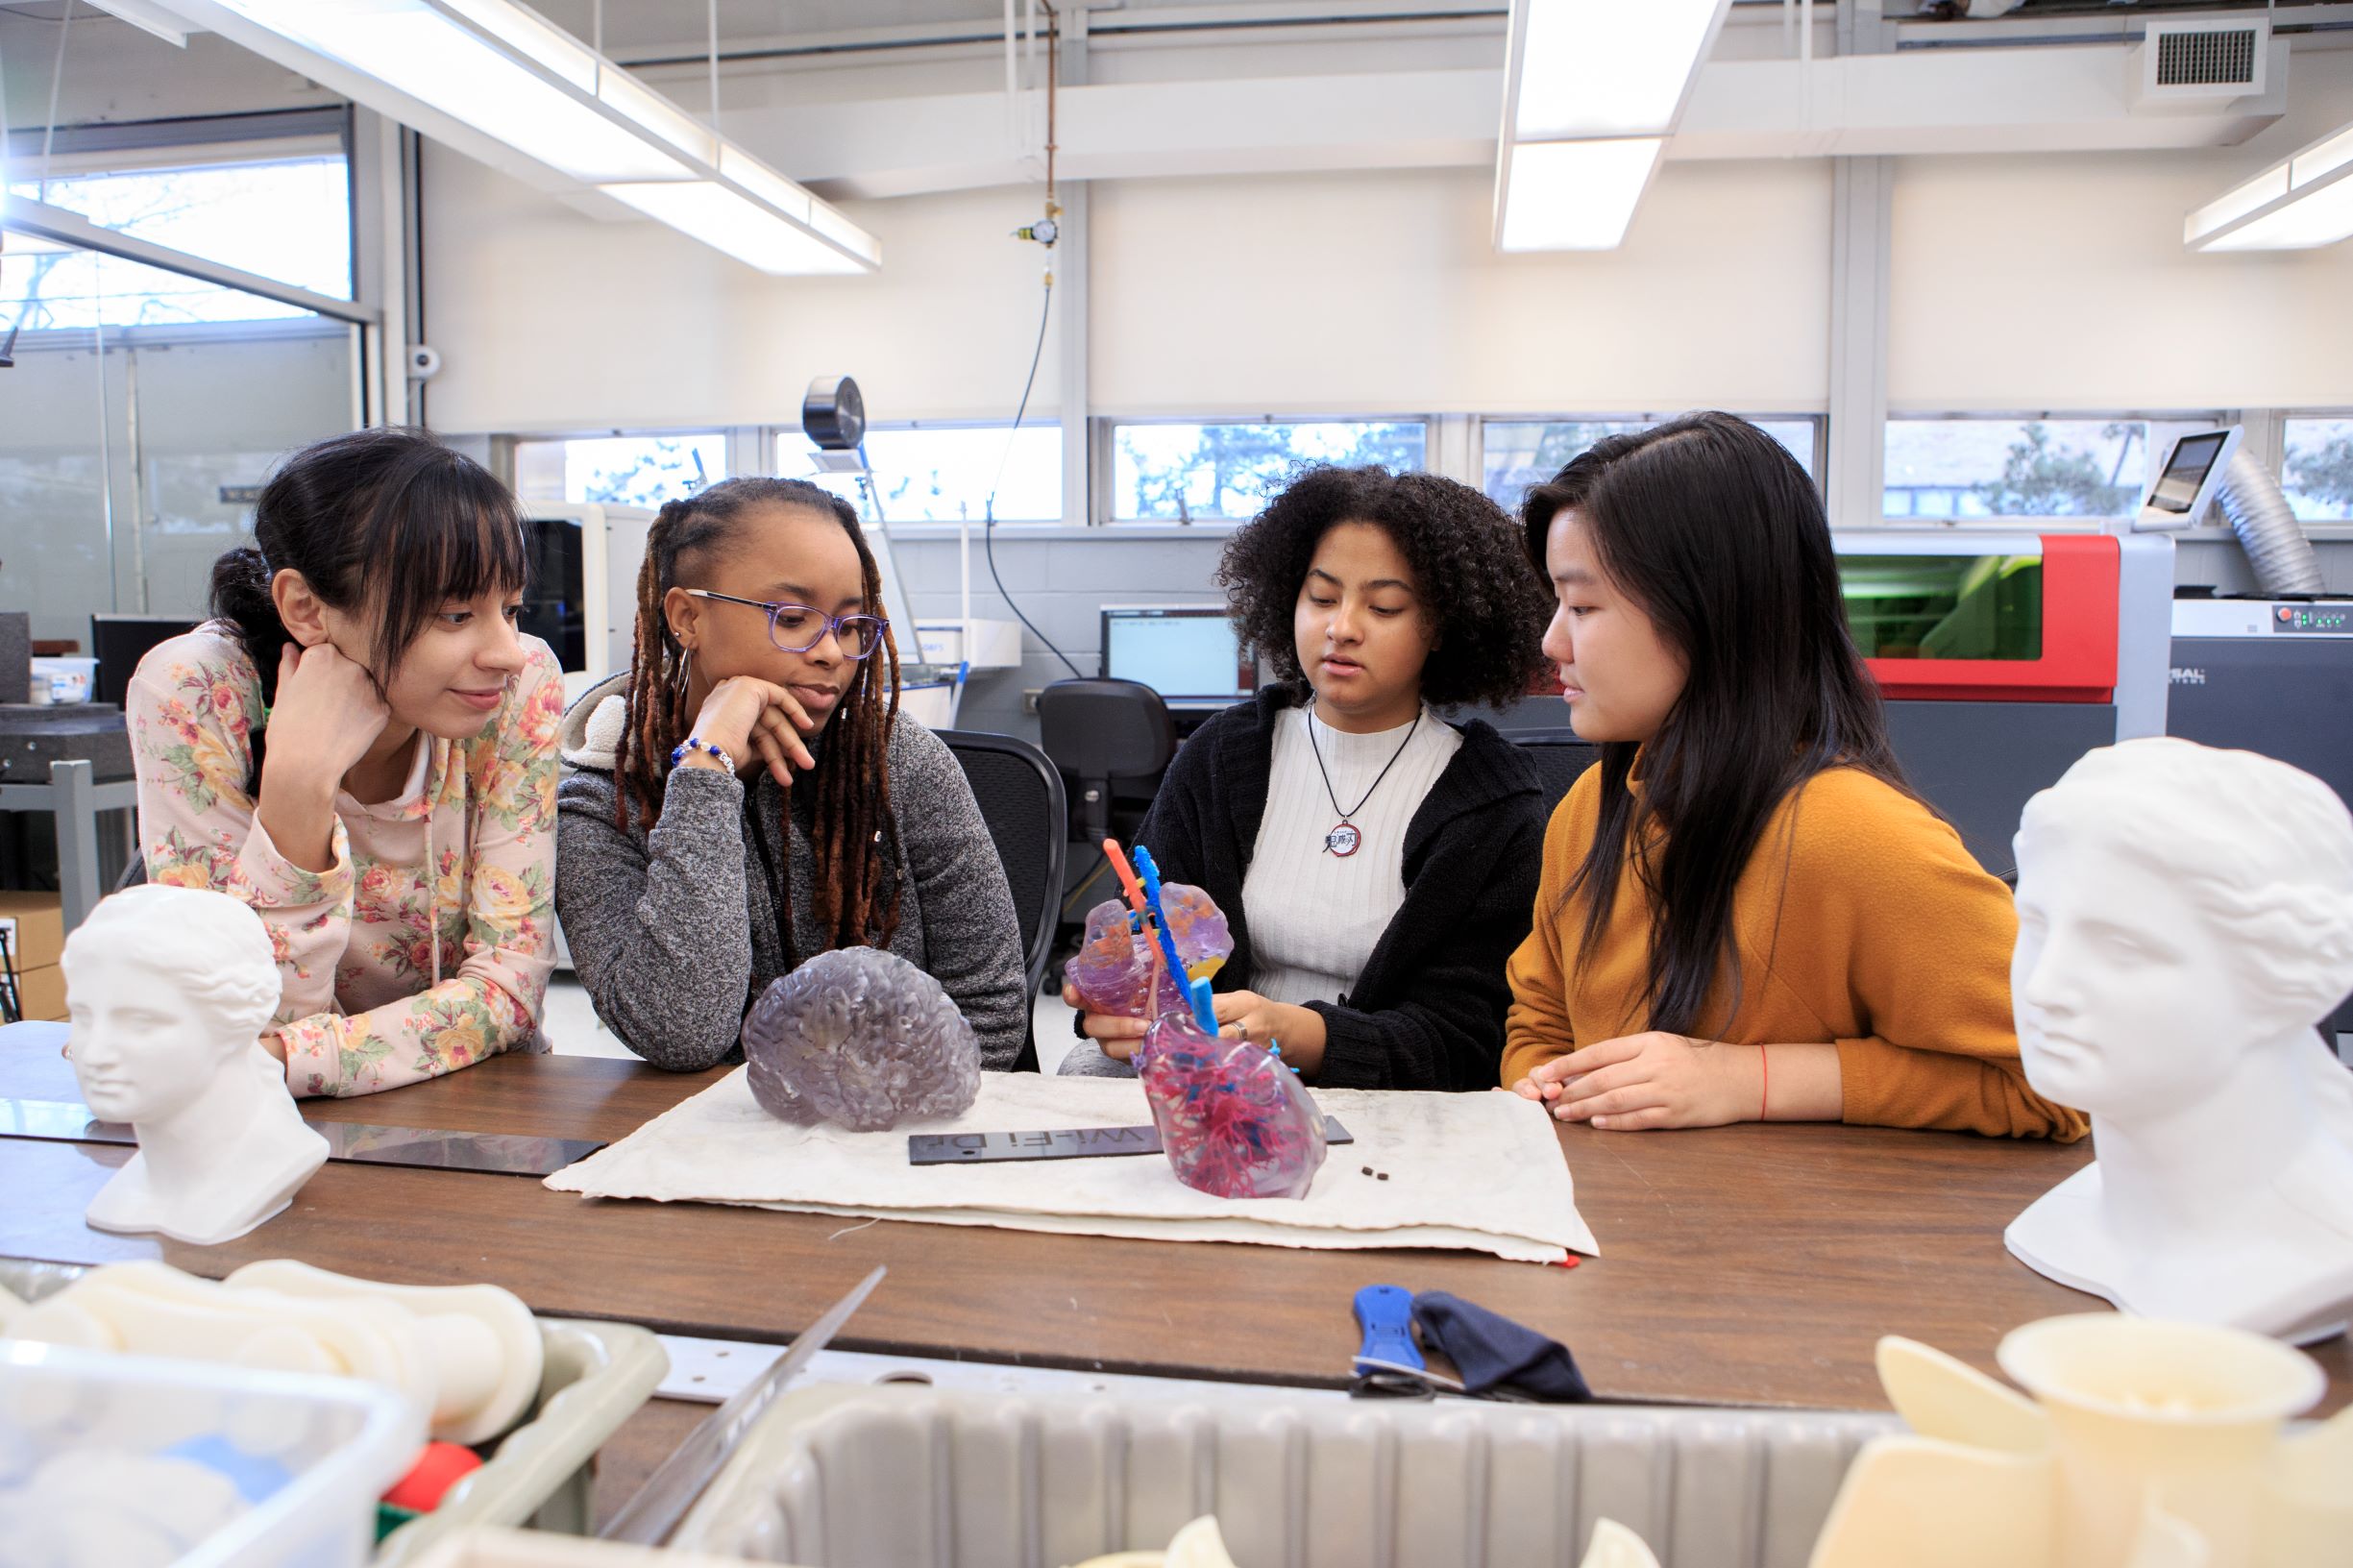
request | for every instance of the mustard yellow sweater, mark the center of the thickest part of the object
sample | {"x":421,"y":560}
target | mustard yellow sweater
{"x":1861,"y":922}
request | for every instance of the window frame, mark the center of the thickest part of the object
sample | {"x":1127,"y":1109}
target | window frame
{"x":771,"y":439}
{"x":1815,"y":466}
{"x":2212,"y":418}
{"x":1102,"y":455}
{"x":508,"y":451}
{"x":202,"y":141}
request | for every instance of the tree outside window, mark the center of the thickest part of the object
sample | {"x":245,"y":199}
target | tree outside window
{"x":620,"y":469}
{"x":1519,"y":454}
{"x":287,"y":219}
{"x":2320,"y":469}
{"x":1959,"y":469}
{"x":1183,"y":472}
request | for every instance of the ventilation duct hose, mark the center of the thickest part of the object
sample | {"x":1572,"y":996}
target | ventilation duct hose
{"x":2266,"y":527}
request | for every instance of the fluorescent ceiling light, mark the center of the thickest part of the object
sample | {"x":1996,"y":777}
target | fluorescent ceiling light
{"x":2300,"y":203}
{"x":844,"y":233}
{"x":1573,"y":195}
{"x":495,"y":79}
{"x":416,"y":49}
{"x":727,"y":221}
{"x":658,"y":114}
{"x":2237,"y":203}
{"x":764,"y":183}
{"x":1605,"y":67}
{"x":2322,"y":217}
{"x":148,"y":18}
{"x":526,"y":33}
{"x":2324,"y":157}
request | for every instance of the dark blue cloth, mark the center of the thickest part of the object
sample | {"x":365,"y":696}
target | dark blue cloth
{"x":1496,"y":1356}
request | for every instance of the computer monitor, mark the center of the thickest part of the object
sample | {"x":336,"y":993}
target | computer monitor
{"x":1187,"y":653}
{"x":2187,"y":479}
{"x":118,"y":642}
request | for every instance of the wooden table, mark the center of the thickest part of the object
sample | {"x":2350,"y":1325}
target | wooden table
{"x":1752,"y":1265}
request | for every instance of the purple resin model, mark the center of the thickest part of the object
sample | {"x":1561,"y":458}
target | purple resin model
{"x":1113,"y":966}
{"x":1236,"y":1122}
{"x":862,"y":1038}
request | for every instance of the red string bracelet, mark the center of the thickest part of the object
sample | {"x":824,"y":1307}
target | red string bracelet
{"x":1764,"y":1085}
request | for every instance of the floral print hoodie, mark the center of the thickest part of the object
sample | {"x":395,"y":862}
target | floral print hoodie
{"x":426,"y":946}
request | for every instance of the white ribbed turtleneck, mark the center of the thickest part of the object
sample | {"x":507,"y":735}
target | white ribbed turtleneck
{"x":1315,"y":916}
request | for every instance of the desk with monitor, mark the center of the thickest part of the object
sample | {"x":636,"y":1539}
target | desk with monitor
{"x":1189,"y":653}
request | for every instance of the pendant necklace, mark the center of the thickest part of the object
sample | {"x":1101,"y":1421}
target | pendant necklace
{"x":1344,"y":839}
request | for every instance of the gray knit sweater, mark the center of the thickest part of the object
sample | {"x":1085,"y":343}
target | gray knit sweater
{"x":674,"y":932}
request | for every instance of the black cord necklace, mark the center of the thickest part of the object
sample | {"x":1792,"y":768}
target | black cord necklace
{"x":1344,"y":839}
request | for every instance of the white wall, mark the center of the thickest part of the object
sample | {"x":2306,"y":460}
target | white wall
{"x":1379,"y":293}
{"x":1312,"y":293}
{"x":549,"y":320}
{"x":2021,"y":282}
{"x":2061,"y":282}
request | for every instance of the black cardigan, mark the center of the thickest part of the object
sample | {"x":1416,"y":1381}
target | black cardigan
{"x":1428,"y":1010}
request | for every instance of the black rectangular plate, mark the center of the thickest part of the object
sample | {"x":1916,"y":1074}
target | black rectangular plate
{"x":1062,"y":1143}
{"x":358,"y":1142}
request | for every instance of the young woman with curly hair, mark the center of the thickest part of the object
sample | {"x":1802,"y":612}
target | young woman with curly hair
{"x":749,"y":795}
{"x":1377,"y":863}
{"x":1747,"y":914}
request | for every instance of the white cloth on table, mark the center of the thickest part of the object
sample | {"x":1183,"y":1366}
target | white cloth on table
{"x":1478,"y":1173}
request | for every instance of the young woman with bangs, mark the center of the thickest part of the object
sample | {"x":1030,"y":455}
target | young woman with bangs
{"x":1745,"y":914}
{"x":360,"y":745}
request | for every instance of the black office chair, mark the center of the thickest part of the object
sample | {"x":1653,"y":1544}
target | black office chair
{"x":1560,"y":757}
{"x":1021,"y":799}
{"x":1101,"y":733}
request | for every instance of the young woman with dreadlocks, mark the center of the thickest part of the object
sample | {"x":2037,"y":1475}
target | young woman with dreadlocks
{"x":749,"y":793}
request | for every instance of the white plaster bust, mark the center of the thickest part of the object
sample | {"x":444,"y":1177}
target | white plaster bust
{"x":2184,"y":916}
{"x":169,"y":989}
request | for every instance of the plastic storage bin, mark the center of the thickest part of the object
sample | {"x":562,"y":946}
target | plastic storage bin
{"x":343,"y":1441}
{"x":597,"y":1376}
{"x":525,"y":1548}
{"x":905,"y":1476}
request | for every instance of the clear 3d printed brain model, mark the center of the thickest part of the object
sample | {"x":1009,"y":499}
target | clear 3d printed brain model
{"x":861,"y":1038}
{"x":1116,"y":967}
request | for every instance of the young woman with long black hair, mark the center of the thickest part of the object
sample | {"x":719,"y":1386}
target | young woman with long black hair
{"x":749,"y":795}
{"x":361,"y":746}
{"x":1374,"y":860}
{"x":1745,"y":913}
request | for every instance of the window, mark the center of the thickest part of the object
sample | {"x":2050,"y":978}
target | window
{"x":1517,"y":454}
{"x":947,"y":473}
{"x":1180,"y":472}
{"x":287,"y":219}
{"x":1971,"y":468}
{"x":2318,"y":472}
{"x":620,"y":469}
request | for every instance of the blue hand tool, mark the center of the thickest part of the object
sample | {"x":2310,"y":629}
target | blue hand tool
{"x":1385,"y":1315}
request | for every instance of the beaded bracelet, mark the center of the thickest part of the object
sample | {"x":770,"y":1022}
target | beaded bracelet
{"x":696,"y":743}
